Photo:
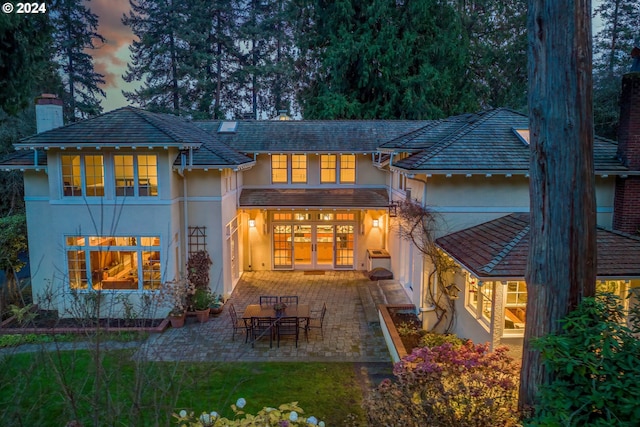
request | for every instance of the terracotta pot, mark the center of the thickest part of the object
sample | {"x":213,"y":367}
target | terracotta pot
{"x":203,"y":315}
{"x":214,"y":311}
{"x":177,"y":321}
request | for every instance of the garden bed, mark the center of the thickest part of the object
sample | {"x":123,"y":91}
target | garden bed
{"x":47,"y":322}
{"x":387,"y":313}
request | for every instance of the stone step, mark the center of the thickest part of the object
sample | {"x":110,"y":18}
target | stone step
{"x":368,"y":305}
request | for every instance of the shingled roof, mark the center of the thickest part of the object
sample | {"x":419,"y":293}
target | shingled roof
{"x":315,"y":198}
{"x":133,"y":127}
{"x":24,"y":160}
{"x":499,"y":249}
{"x":127,"y":126}
{"x":279,"y":136}
{"x":482,"y":143}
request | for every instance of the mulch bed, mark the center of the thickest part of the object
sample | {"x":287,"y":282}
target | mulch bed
{"x":403,"y":318}
{"x":48,"y":321}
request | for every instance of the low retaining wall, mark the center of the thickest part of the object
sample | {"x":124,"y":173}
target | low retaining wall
{"x":389,"y":331}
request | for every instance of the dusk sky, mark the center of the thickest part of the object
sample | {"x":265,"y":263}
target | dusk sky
{"x":112,"y":57}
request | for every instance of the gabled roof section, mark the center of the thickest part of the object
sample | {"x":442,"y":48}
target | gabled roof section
{"x":125,"y":127}
{"x":425,"y":137}
{"x":483,"y":143}
{"x":321,"y":136}
{"x":499,"y":249}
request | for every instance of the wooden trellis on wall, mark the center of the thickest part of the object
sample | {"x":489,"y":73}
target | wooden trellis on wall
{"x":197,"y":239}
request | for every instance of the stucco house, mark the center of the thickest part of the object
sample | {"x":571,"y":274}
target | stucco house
{"x":117,"y":202}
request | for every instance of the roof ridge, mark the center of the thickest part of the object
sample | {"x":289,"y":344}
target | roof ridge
{"x":487,"y":268}
{"x":438,"y":147}
{"x":409,"y":136}
{"x":152,"y":121}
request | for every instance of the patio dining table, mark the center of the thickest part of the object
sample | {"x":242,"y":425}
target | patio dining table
{"x":301,"y":311}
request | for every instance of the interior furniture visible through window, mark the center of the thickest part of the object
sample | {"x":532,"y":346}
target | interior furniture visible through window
{"x":110,"y":262}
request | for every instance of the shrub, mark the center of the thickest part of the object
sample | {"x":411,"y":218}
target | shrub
{"x":595,"y":365}
{"x":432,"y":339}
{"x":287,"y":415}
{"x":449,"y":385}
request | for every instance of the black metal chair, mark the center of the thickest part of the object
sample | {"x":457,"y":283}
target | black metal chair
{"x":288,"y":326}
{"x":316,"y":322}
{"x":261,"y":327}
{"x":268,"y":300}
{"x":289,"y":299}
{"x":238,"y":324}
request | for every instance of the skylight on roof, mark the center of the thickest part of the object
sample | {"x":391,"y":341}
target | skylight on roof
{"x":228,"y":127}
{"x":523,"y":134}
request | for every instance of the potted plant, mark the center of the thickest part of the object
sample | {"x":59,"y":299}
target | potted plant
{"x":176,"y":293}
{"x":217,"y":305}
{"x":279,"y":307}
{"x":202,"y":299}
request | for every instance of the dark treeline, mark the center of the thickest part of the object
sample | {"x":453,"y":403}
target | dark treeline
{"x":339,"y":59}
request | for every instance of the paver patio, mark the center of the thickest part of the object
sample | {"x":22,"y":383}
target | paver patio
{"x":347,"y":335}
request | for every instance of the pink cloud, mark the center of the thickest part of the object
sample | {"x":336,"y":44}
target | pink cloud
{"x":116,"y":35}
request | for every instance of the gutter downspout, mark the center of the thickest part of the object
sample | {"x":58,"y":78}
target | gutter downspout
{"x":185,"y":209}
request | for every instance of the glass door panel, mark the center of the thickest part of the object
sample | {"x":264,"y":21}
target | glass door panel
{"x":303,"y":246}
{"x":344,"y":246}
{"x":324,"y":246}
{"x":282,"y":247}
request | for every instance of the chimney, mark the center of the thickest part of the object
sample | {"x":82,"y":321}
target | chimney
{"x":48,"y":112}
{"x":626,"y":205}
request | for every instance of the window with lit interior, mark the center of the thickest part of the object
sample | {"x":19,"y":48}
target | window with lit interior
{"x":279,"y":170}
{"x":82,"y":175}
{"x":135,"y":175}
{"x":113,"y":263}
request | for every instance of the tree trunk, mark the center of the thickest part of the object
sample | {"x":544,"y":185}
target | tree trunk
{"x":561,"y":267}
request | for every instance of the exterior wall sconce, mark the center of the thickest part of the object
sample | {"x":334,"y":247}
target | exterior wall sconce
{"x":376,"y":223}
{"x":393,"y":209}
{"x":453,"y":291}
{"x":252,"y":223}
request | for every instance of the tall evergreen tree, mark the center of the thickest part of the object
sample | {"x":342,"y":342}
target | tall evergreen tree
{"x":497,"y":36}
{"x":612,"y":44}
{"x":266,"y":70}
{"x":381,"y":59}
{"x":160,"y":54}
{"x":75,"y":33}
{"x":216,"y":58}
{"x":25,"y":46}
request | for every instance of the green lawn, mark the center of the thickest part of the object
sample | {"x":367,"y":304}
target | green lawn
{"x":49,"y":389}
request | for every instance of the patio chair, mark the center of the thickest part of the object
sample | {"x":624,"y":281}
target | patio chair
{"x":268,"y":299}
{"x":288,"y":326}
{"x":238,"y":324}
{"x":261,"y":327}
{"x":289,"y":299}
{"x":316,"y":321}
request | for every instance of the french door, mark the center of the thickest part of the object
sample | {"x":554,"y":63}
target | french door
{"x":313,"y":246}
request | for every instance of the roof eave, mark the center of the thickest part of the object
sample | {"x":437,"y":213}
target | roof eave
{"x":65,"y":146}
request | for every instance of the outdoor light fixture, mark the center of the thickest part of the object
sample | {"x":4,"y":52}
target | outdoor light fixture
{"x":252,"y":223}
{"x":376,"y":223}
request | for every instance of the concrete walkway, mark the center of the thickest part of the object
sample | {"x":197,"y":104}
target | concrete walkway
{"x":348,"y":337}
